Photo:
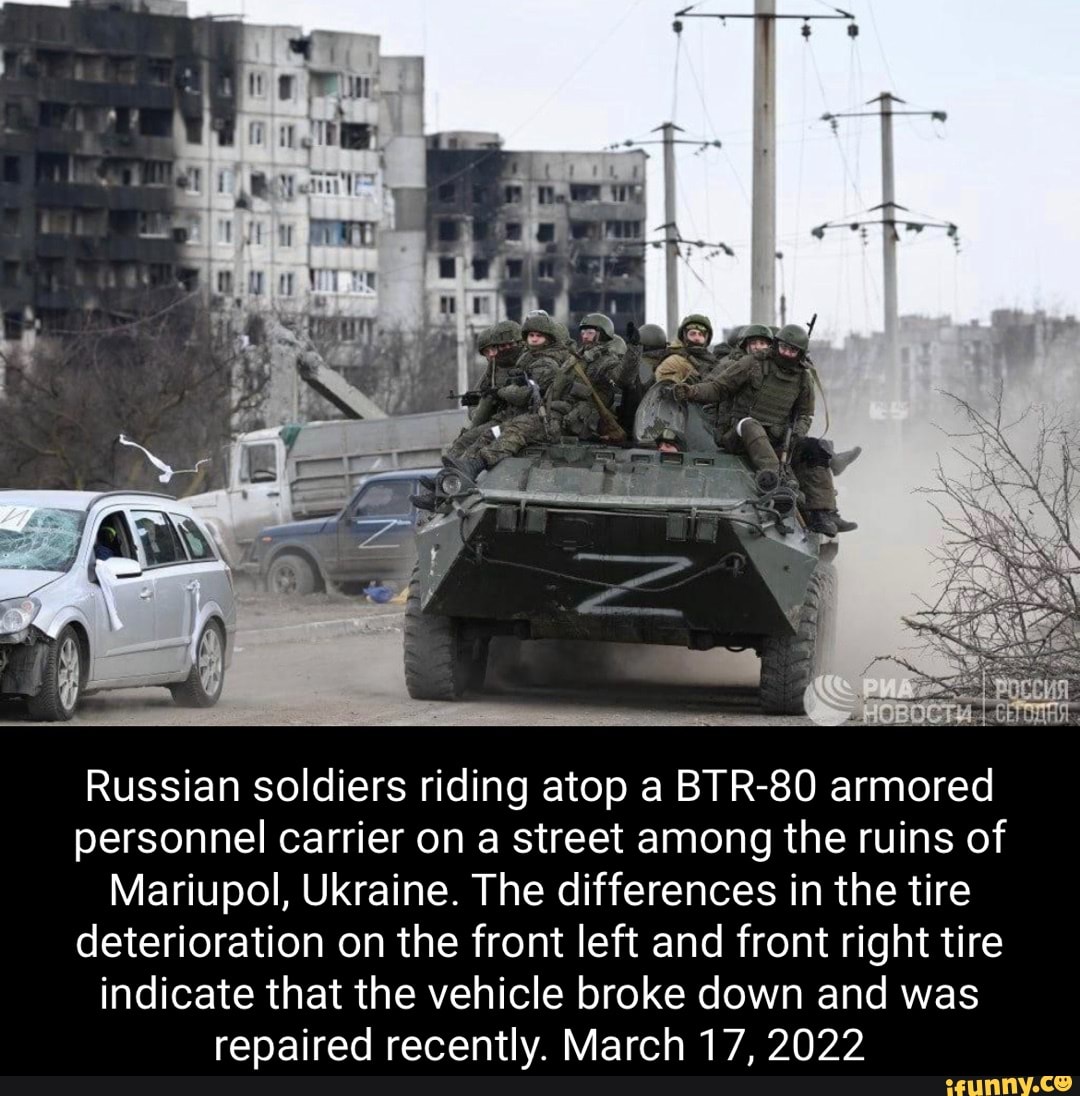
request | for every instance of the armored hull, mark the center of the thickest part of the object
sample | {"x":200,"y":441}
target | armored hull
{"x":586,"y":542}
{"x":583,"y":542}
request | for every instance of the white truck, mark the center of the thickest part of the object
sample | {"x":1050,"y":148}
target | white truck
{"x":290,"y":473}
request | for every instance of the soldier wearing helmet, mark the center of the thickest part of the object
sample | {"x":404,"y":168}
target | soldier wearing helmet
{"x":760,"y":397}
{"x":690,"y":357}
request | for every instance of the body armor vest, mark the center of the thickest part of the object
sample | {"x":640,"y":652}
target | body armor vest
{"x":768,"y":396}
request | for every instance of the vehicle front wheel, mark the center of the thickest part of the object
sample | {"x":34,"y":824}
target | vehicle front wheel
{"x":790,"y":663}
{"x":207,"y":678}
{"x":437,"y":667}
{"x":290,"y":574}
{"x":61,"y":681}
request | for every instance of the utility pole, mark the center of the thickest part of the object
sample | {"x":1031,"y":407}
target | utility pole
{"x":890,"y":222}
{"x":763,"y":210}
{"x":670,"y":228}
{"x":459,"y":310}
{"x":671,"y":248}
{"x":890,"y":238}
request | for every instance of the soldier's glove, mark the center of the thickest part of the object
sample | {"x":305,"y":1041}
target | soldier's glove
{"x":579,"y":390}
{"x":516,"y":395}
{"x":560,"y":406}
{"x":633,"y":336}
{"x":681,"y":392}
{"x":517,"y":376}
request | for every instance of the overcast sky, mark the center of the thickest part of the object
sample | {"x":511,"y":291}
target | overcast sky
{"x":581,"y":74}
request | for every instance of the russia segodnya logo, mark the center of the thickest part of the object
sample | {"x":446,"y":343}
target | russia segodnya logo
{"x":829,"y":700}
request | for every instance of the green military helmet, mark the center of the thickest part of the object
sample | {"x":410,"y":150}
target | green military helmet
{"x":754,"y":331}
{"x":601,"y":322}
{"x":542,"y":322}
{"x":697,"y":320}
{"x":653,"y":336}
{"x":505,"y":332}
{"x":794,"y":335}
{"x":563,"y":335}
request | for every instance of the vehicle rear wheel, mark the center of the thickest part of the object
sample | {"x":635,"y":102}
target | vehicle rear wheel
{"x":437,"y":667}
{"x":790,"y":663}
{"x":291,"y":574}
{"x":61,"y":681}
{"x":207,"y":678}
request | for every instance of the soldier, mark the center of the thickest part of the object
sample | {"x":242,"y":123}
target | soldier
{"x":501,"y":345}
{"x":761,"y":396}
{"x":691,"y":357}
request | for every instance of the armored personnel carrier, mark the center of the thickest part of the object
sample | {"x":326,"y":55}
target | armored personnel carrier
{"x":669,"y":542}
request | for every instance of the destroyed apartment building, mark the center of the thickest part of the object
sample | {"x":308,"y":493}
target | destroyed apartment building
{"x":145,"y":151}
{"x":510,"y":231}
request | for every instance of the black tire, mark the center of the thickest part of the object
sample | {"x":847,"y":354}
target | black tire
{"x":292,"y":575}
{"x":790,"y":663}
{"x":207,"y":678}
{"x":436,"y":666}
{"x":476,"y":655}
{"x":61,"y":683}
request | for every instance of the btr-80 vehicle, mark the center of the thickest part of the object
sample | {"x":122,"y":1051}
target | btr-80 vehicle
{"x":669,"y":542}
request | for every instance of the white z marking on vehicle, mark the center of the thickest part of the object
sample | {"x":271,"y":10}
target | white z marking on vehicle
{"x":379,"y":532}
{"x":599,"y":604}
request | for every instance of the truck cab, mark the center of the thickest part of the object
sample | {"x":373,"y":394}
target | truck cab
{"x":255,"y":493}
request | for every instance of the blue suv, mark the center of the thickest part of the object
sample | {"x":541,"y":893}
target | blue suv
{"x":372,"y":539}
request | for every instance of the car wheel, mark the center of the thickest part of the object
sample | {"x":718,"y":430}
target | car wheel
{"x":290,"y":575}
{"x":207,"y":678}
{"x":61,"y":681}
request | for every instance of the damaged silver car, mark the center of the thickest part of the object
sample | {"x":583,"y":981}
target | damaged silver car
{"x":109,"y":591}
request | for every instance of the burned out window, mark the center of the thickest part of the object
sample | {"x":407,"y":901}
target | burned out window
{"x":480,"y":229}
{"x":448,"y":268}
{"x":545,"y":269}
{"x":357,"y":135}
{"x":11,"y":169}
{"x":513,"y":308}
{"x":513,"y":230}
{"x":512,"y":195}
{"x":514,"y":268}
{"x":545,"y":233}
{"x":155,"y":123}
{"x":159,"y":71}
{"x":481,"y":269}
{"x":193,"y":130}
{"x":286,"y":86}
{"x":448,"y":231}
{"x":447,"y":192}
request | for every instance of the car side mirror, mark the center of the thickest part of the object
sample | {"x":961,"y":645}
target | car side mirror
{"x":120,"y":567}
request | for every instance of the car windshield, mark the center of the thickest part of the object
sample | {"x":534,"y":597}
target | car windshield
{"x":34,"y":538}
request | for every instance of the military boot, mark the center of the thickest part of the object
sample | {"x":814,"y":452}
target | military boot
{"x":842,"y":526}
{"x":842,"y":460}
{"x":821,"y":521}
{"x":469,"y":467}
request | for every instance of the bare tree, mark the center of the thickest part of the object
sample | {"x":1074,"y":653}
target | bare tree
{"x":1008,"y":604}
{"x":404,"y":369}
{"x":172,"y":380}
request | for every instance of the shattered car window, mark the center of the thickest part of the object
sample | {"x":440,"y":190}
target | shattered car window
{"x":39,"y":539}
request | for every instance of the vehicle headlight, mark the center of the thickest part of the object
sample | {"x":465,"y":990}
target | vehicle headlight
{"x":17,"y":614}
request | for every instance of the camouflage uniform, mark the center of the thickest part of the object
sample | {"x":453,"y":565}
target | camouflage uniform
{"x":493,"y":408}
{"x":757,"y":397}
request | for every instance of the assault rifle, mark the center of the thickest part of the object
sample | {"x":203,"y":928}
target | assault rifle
{"x":785,"y":452}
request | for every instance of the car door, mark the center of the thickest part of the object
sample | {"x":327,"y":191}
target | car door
{"x":175,"y":590}
{"x":376,"y":536}
{"x":128,"y":652}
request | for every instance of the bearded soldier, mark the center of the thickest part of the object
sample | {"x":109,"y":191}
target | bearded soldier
{"x":761,"y":397}
{"x":690,"y":358}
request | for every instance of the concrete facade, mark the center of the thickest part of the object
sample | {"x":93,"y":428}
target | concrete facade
{"x":510,"y":231}
{"x":145,"y":151}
